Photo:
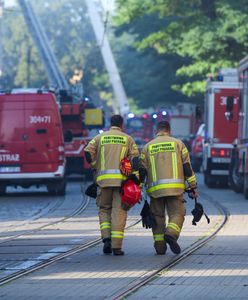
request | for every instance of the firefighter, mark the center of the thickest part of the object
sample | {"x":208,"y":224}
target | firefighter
{"x":104,"y":153}
{"x":166,"y":164}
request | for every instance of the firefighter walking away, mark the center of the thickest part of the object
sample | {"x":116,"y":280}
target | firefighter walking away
{"x":166,"y":164}
{"x":113,"y":154}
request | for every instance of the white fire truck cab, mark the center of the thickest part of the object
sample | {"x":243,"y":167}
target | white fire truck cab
{"x":221,"y":125}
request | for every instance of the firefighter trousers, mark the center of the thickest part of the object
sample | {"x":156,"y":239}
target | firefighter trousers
{"x":175,"y":208}
{"x":112,"y":217}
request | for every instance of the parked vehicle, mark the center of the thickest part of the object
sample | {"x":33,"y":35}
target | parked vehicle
{"x":31,"y":141}
{"x":239,"y":161}
{"x":222,"y":95}
{"x":197,"y":148}
{"x":78,"y":118}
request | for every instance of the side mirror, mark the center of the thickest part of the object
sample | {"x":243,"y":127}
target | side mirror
{"x":229,"y":103}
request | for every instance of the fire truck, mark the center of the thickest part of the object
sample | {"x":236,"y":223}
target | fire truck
{"x":140,"y":127}
{"x":79,"y":116}
{"x":221,"y":125}
{"x":239,"y":161}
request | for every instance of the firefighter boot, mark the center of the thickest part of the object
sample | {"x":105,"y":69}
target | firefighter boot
{"x":107,"y":249}
{"x":172,"y":242}
{"x":118,"y":251}
{"x":160,"y":247}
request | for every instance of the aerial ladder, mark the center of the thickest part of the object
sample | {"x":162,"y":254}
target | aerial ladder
{"x":39,"y":36}
{"x":122,"y":105}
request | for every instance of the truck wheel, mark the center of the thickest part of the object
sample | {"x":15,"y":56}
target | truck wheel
{"x":61,"y":190}
{"x":246,"y":187}
{"x":58,"y":189}
{"x":3,"y":190}
{"x":209,"y":181}
{"x":236,"y":180}
{"x":88,"y":175}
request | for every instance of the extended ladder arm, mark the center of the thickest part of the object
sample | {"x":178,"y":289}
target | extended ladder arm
{"x":40,"y":38}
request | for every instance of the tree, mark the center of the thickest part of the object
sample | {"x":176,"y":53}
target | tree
{"x":206,"y":34}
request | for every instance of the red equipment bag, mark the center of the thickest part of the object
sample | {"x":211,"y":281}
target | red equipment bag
{"x":130,"y":194}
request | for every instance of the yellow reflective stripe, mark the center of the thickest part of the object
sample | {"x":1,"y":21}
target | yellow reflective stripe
{"x":174,"y":226}
{"x":92,"y":141}
{"x":123,"y":151}
{"x":166,"y":186}
{"x":174,"y":165}
{"x":158,"y":237}
{"x":117,"y":234}
{"x":154,"y":175}
{"x":105,"y":225}
{"x":111,"y":176}
{"x":185,"y":151}
{"x":93,"y":164}
{"x":102,"y":158}
{"x":142,"y":156}
{"x":191,"y":179}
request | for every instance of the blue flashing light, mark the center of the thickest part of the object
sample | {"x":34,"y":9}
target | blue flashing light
{"x":154,"y":116}
{"x":130,"y":115}
{"x":164,"y":113}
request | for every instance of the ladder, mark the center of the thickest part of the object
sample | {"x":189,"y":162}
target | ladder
{"x":39,"y":36}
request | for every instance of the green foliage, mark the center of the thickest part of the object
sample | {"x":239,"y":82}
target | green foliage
{"x":71,"y":38}
{"x":205,"y":34}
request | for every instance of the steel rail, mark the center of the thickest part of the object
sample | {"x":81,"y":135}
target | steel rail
{"x":150,"y":276}
{"x":54,"y":259}
{"x":77,"y":211}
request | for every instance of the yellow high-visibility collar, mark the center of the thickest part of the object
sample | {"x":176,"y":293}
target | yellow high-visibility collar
{"x":161,"y":133}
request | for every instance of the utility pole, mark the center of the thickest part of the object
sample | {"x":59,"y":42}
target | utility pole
{"x":121,"y":105}
{"x":1,"y":41}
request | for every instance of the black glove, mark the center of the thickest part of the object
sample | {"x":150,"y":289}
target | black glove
{"x":192,"y":193}
{"x":148,"y":220}
{"x":197,"y":213}
{"x":91,"y":190}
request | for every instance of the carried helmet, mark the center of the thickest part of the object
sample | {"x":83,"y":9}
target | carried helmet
{"x":125,"y":166}
{"x":130,"y":194}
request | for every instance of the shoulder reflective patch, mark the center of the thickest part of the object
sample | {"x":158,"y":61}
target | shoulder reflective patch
{"x":135,"y":146}
{"x":92,"y":141}
{"x":185,"y":151}
{"x":142,"y":156}
{"x":162,"y":147}
{"x":113,"y":139}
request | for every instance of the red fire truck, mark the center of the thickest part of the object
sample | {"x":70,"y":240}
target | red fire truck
{"x":140,"y":127}
{"x":239,"y":161}
{"x":78,"y":116}
{"x":221,"y":125}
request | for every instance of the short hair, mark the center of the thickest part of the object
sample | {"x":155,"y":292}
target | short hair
{"x":163,"y":126}
{"x":116,"y":120}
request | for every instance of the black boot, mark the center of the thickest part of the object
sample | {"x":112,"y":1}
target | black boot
{"x":107,"y":249}
{"x":118,"y":251}
{"x":160,"y":247}
{"x":172,"y":242}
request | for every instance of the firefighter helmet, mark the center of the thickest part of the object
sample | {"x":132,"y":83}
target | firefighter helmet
{"x":130,"y":194}
{"x":125,"y":166}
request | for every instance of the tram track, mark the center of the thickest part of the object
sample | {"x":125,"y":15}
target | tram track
{"x":83,"y":204}
{"x":152,"y":275}
{"x":55,"y":258}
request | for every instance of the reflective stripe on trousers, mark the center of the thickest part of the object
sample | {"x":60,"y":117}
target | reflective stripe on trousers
{"x":117,"y":234}
{"x":158,"y":237}
{"x":174,"y":226}
{"x":105,"y":225}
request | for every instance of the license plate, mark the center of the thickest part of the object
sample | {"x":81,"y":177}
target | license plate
{"x":10,"y":169}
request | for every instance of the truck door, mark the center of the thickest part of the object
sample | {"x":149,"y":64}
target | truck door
{"x":225,"y":131}
{"x":43,"y":133}
{"x":12,"y":133}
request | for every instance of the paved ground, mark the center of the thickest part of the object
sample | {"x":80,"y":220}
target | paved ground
{"x":91,"y":275}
